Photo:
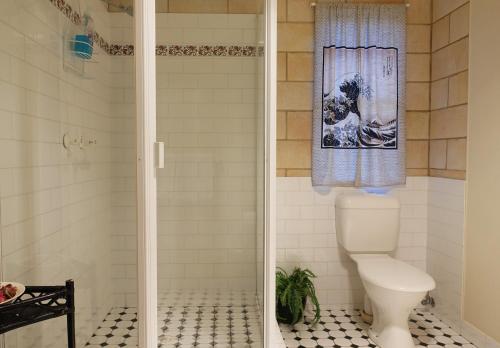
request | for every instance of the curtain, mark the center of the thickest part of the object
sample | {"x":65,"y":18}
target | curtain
{"x":359,"y":95}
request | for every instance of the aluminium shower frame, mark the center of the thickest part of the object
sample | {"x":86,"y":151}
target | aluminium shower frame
{"x":147,"y":160}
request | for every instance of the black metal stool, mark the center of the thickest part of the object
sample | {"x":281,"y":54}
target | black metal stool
{"x":39,"y":303}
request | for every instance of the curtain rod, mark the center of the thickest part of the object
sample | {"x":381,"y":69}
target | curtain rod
{"x":314,"y":3}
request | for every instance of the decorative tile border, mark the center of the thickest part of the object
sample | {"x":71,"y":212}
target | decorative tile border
{"x":161,"y":50}
{"x":121,"y":50}
{"x":67,"y":10}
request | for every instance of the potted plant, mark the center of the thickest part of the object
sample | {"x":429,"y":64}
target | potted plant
{"x":292,"y":292}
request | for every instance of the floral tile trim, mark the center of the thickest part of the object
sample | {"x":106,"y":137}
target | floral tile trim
{"x":67,"y":10}
{"x":207,"y":51}
{"x":161,"y":50}
{"x":121,"y":50}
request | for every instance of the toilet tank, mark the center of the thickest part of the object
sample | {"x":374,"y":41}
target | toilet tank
{"x":367,"y":223}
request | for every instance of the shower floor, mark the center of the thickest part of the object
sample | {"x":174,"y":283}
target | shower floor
{"x":189,"y":319}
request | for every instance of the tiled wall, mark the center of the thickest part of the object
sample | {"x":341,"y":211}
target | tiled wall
{"x":200,"y":6}
{"x":206,"y":110}
{"x":207,"y":194}
{"x":295,"y":75}
{"x":54,"y":204}
{"x":450,"y":52}
{"x":445,"y":245}
{"x":431,"y":237}
{"x":306,"y":236}
{"x":195,"y":29}
{"x":123,"y":170}
{"x":445,"y":256}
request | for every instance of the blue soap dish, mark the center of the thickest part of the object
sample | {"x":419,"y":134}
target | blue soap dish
{"x":83,"y":46}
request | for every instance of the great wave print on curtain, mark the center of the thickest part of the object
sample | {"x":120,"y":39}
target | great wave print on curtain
{"x":360,"y":106}
{"x":359,"y":95}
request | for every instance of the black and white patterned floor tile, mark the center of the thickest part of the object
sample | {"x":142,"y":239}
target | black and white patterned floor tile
{"x":344,"y":328}
{"x":199,"y":298}
{"x":185,"y":326}
{"x":215,"y":326}
{"x":118,"y":329}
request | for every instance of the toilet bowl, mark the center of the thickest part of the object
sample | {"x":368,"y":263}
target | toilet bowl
{"x":368,"y":229}
{"x":394,"y":288}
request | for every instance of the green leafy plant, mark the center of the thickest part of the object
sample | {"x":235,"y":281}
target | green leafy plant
{"x":292,"y":292}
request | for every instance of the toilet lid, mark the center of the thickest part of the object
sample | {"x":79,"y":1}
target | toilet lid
{"x":389,"y":273}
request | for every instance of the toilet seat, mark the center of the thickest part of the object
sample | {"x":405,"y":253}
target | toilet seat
{"x":392,"y":274}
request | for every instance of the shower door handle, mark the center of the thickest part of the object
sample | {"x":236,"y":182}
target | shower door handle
{"x":160,"y":155}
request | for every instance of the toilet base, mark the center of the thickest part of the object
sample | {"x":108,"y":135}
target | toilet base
{"x":393,"y":289}
{"x":390,"y":320}
{"x":392,"y":337}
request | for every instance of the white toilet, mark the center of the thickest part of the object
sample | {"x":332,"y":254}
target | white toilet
{"x":368,"y":229}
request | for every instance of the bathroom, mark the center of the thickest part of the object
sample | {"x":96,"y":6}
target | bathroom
{"x":169,"y":193}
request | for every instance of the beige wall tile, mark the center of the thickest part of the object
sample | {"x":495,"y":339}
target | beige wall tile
{"x":300,"y":67}
{"x":299,"y":125}
{"x":440,"y":33}
{"x":417,"y":125}
{"x":297,"y":40}
{"x":450,"y":174}
{"x":417,"y":172}
{"x":449,"y":123}
{"x":294,"y":154}
{"x":417,"y":96}
{"x":125,"y":3}
{"x":418,"y":67}
{"x":456,"y":154}
{"x":443,"y":7}
{"x":293,"y":37}
{"x":450,"y":60}
{"x":459,"y":88}
{"x":302,"y":173}
{"x":382,"y":1}
{"x":198,"y":6}
{"x":281,"y":125}
{"x":439,"y":94}
{"x":459,"y":23}
{"x":417,"y":154}
{"x":281,"y":10}
{"x":418,"y":38}
{"x":437,"y":154}
{"x":281,"y":66}
{"x":300,"y":11}
{"x":245,"y":6}
{"x":295,"y":96}
{"x":161,"y":6}
{"x":419,"y":12}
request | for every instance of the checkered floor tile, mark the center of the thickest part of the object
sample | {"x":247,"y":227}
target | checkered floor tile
{"x":185,"y":326}
{"x":119,"y":329}
{"x":211,"y":327}
{"x":344,"y":328}
{"x":203,"y":298}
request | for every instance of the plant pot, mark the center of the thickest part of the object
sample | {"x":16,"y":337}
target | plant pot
{"x":285,"y":316}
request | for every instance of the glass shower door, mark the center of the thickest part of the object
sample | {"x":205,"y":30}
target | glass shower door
{"x":210,"y":115}
{"x":67,"y":165}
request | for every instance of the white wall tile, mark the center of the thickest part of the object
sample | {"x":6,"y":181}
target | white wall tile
{"x":445,"y":245}
{"x":306,"y":235}
{"x":55,"y":206}
{"x":206,"y":116}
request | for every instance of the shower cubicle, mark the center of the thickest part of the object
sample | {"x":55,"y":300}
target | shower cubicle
{"x":137,"y":151}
